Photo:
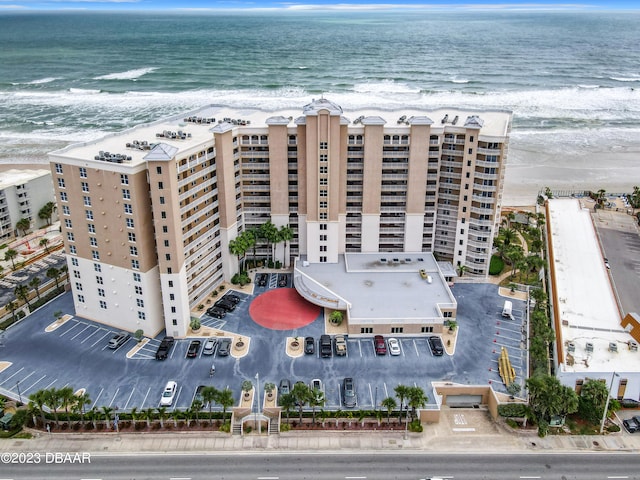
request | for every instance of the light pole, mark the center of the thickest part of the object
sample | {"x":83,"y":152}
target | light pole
{"x":258,"y":400}
{"x":19,"y":394}
{"x":406,"y":422}
{"x":606,"y":405}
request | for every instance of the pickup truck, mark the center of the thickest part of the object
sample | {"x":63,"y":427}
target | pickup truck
{"x":164,"y":347}
{"x":325,"y":346}
{"x":341,"y":346}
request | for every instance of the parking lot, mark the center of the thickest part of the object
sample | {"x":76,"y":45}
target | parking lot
{"x":76,"y":355}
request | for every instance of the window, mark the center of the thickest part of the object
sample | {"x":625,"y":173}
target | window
{"x":126,"y":194}
{"x":91,"y":227}
{"x":366,"y":329}
{"x":323,"y":193}
{"x":63,"y":197}
{"x":61,"y":183}
{"x":324,"y":157}
{"x":72,"y":249}
{"x":397,"y":329}
{"x":101,"y":292}
{"x":138,"y":290}
{"x":124,"y":179}
{"x":459,"y":252}
{"x":97,"y":267}
{"x":160,"y":185}
{"x":81,"y":298}
{"x":163,"y":214}
{"x":99,"y":280}
{"x":426,"y":329}
{"x":170,"y":283}
{"x":133,"y":251}
{"x":323,"y":181}
{"x":471,"y":138}
{"x":324,"y":169}
{"x":95,"y":254}
{"x":173,"y":309}
{"x":324,"y":145}
{"x":132,"y":236}
{"x":74,"y":262}
{"x":166,"y":243}
{"x":159,"y":170}
{"x":161,"y":200}
{"x":323,"y":204}
{"x":323,"y":259}
{"x":165,"y":229}
{"x":93,"y":241}
{"x":323,"y":226}
{"x":462,"y":231}
{"x":470,"y":151}
{"x":70,"y":237}
{"x":88,"y":214}
{"x":172,"y":296}
{"x":140,"y":302}
{"x":78,"y":286}
{"x":128,"y":209}
{"x":130,"y":223}
{"x":323,"y":248}
{"x":136,"y":277}
{"x":135,"y":264}
{"x":67,"y":223}
{"x":85,"y":186}
{"x":174,"y":321}
{"x":76,"y":274}
{"x":65,"y":210}
{"x":464,"y":209}
{"x":87,"y":201}
{"x":167,"y":257}
{"x":83,"y":172}
{"x":103,"y":304}
{"x":141,"y":315}
{"x":323,"y":216}
{"x":58,"y":168}
{"x":323,"y":238}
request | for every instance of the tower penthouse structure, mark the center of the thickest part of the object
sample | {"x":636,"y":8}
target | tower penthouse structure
{"x":148,"y":213}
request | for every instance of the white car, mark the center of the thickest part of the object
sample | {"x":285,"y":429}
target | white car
{"x":394,"y":346}
{"x":168,"y":394}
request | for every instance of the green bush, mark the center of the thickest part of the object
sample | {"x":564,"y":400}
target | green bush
{"x":278,"y":264}
{"x":496,"y":266}
{"x":46,"y":298}
{"x":613,"y":428}
{"x":512,"y":410}
{"x":226,"y":427}
{"x":415,"y":426}
{"x":195,"y":324}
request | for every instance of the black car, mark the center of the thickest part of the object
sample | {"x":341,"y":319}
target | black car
{"x":224,"y":347}
{"x":436,"y":346}
{"x":282,"y":280}
{"x":164,"y":347}
{"x":217,"y":312}
{"x":326,"y":349}
{"x":632,"y":424}
{"x":262,"y":279}
{"x":309,"y":345}
{"x":227,"y":305}
{"x":194,"y":348}
{"x":629,"y":403}
{"x":232,"y":297}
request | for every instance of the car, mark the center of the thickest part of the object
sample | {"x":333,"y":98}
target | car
{"x":349,"y":396}
{"x":217,"y":312}
{"x":194,"y":348}
{"x":394,"y":346}
{"x":227,"y":305}
{"x":316,"y":384}
{"x":340,"y":345}
{"x":309,"y":345}
{"x":209,"y":346}
{"x":164,"y":347}
{"x":168,"y":394}
{"x":632,"y":425}
{"x":224,"y":347}
{"x":436,"y":346}
{"x":380,"y":345}
{"x":262,"y":279}
{"x":232,"y":297}
{"x":197,"y":396}
{"x":282,"y":280}
{"x":629,"y":403}
{"x":606,"y":263}
{"x":325,"y":346}
{"x":285,"y":387}
{"x":118,"y":340}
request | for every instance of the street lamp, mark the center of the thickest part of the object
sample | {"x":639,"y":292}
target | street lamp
{"x":19,"y":394}
{"x":406,"y":422}
{"x":257,"y":395}
{"x":606,"y":405}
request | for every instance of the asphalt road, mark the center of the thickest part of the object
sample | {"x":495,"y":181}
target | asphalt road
{"x":338,"y":466}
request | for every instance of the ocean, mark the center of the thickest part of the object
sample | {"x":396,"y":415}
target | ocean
{"x":572,"y":79}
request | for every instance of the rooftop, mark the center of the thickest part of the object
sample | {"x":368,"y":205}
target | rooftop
{"x":18,"y":177}
{"x":379,"y":286}
{"x":189,"y":131}
{"x":592,"y":337}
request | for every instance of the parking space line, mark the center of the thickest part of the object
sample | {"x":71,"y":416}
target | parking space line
{"x":360,"y":347}
{"x":386,"y":392}
{"x":114,"y":396}
{"x":96,"y":330}
{"x":50,"y":385}
{"x":9,"y":378}
{"x":75,"y":324}
{"x":24,"y":390}
{"x":371,"y":395}
{"x":129,"y":399}
{"x":145,"y":398}
{"x":80,"y":332}
{"x":94,"y":343}
{"x":415,"y":346}
{"x":96,"y":400}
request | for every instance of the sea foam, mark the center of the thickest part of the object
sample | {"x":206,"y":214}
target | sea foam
{"x":128,"y":75}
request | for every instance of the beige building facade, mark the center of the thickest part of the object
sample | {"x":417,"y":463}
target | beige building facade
{"x":153,"y":208}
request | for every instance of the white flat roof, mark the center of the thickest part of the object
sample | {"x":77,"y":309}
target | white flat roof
{"x":587,"y":306}
{"x":495,"y":125}
{"x":18,"y":177}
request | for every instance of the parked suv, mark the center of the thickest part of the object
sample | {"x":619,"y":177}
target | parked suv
{"x":217,"y":312}
{"x":225,"y":304}
{"x":225,"y":347}
{"x":436,"y":346}
{"x":209,"y":346}
{"x":380,"y":345}
{"x":341,"y":345}
{"x":632,"y":424}
{"x":349,"y":397}
{"x":118,"y":340}
{"x":232,"y":297}
{"x":164,"y":347}
{"x":325,"y":346}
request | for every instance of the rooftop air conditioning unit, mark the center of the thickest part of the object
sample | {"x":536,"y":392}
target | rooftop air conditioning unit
{"x":589,"y":347}
{"x":571,"y":347}
{"x":613,"y":347}
{"x":633,"y":346}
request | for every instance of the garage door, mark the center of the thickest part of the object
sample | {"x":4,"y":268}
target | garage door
{"x":464,"y":401}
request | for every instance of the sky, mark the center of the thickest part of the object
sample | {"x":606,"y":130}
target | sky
{"x":314,"y":5}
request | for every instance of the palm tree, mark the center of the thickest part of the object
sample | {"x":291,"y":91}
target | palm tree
{"x":149,"y":414}
{"x":39,"y":400}
{"x":301,"y":393}
{"x":461,"y":269}
{"x":35,"y":283}
{"x":196,"y":407}
{"x":162,"y":415}
{"x":67,"y":399}
{"x":46,"y":212}
{"x":81,"y":401}
{"x":54,"y":273}
{"x":389,"y":403}
{"x":44,"y":243}
{"x":238,"y":248}
{"x":24,"y":224}
{"x":225,"y":398}
{"x":53,"y":402}
{"x":107,"y":411}
{"x":11,"y":254}
{"x":402,"y":392}
{"x":13,"y":306}
{"x":209,"y":395}
{"x":269,"y":232}
{"x":316,"y":399}
{"x":285,"y":234}
{"x":135,"y":414}
{"x":287,"y":402}
{"x":22,"y":292}
{"x":416,"y":399}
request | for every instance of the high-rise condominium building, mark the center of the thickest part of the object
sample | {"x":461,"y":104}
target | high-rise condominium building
{"x":148,"y":213}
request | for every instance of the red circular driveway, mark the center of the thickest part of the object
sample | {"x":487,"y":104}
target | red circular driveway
{"x":282,"y":309}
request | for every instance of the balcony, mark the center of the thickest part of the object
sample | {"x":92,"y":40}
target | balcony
{"x":485,"y":176}
{"x":485,"y":188}
{"x":489,"y":151}
{"x":452,"y":151}
{"x":484,"y":163}
{"x":481,"y":199}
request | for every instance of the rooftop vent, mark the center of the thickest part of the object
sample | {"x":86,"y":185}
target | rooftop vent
{"x":571,"y":347}
{"x":455,"y":120}
{"x":383,"y":260}
{"x":445,"y":119}
{"x":613,"y":347}
{"x":633,"y":346}
{"x":589,"y":347}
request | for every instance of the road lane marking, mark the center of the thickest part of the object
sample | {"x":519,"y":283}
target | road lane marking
{"x":530,"y":477}
{"x":268,"y":478}
{"x":354,"y":478}
{"x":620,"y":476}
